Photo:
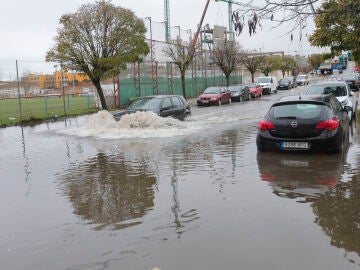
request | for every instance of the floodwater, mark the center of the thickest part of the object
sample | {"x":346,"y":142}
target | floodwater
{"x":90,"y":193}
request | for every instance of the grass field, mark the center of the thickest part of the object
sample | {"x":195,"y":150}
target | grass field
{"x":37,"y":109}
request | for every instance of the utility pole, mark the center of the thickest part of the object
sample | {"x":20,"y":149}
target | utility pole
{"x":167,"y":20}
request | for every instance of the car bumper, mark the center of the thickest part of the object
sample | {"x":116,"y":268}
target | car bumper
{"x":326,"y":142}
{"x":207,"y":102}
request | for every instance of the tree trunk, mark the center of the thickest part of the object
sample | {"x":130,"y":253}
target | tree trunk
{"x":227,"y":79}
{"x":101,"y":94}
{"x":252,"y":77}
{"x":183,"y":84}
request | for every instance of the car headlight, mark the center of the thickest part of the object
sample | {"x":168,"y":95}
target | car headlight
{"x":344,"y":102}
{"x":213,"y":98}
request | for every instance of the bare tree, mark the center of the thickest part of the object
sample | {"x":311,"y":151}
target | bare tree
{"x":178,"y":51}
{"x":226,"y":56}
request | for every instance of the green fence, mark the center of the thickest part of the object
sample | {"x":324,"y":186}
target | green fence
{"x":130,"y":88}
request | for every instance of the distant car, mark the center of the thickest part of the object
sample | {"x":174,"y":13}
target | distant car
{"x":268,"y":84}
{"x":284,"y":84}
{"x":163,"y":105}
{"x":293,"y":81}
{"x":239,"y":92}
{"x":353,"y":80}
{"x":214,"y":95}
{"x":340,"y":90}
{"x":255,"y":90}
{"x":302,"y":79}
{"x":313,"y":123}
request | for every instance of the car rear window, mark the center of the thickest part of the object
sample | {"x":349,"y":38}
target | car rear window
{"x":336,"y":90}
{"x":297,"y":110}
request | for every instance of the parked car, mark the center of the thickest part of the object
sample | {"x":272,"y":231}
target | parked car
{"x":255,"y":90}
{"x":239,"y":92}
{"x":163,"y":105}
{"x":302,"y":79}
{"x":304,"y":123}
{"x":268,"y":84}
{"x":214,"y":95}
{"x":353,"y":80}
{"x":284,"y":84}
{"x":293,"y":81}
{"x":340,"y":90}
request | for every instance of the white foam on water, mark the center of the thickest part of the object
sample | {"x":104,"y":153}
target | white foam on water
{"x":137,"y":125}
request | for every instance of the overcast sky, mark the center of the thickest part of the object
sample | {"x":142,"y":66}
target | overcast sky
{"x":27,"y":28}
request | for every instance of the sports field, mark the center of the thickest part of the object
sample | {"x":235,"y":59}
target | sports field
{"x":41,"y":108}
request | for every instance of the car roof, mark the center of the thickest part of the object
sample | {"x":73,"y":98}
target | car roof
{"x":330,"y":82}
{"x":303,"y":98}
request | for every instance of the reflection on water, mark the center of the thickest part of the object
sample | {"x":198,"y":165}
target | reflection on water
{"x":301,"y":177}
{"x":109,"y":191}
{"x":337,"y":212}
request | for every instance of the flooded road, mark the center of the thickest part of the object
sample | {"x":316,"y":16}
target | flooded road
{"x":91,"y":193}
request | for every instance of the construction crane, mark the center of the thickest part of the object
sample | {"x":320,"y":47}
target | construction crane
{"x":230,"y":12}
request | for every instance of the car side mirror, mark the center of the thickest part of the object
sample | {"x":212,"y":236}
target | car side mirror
{"x":347,"y":109}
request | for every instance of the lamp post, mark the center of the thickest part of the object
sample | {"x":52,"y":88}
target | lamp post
{"x":178,"y":27}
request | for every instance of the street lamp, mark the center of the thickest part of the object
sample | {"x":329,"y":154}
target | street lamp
{"x":177,"y":26}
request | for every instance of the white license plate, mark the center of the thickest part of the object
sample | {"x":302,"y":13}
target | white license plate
{"x":205,"y":101}
{"x":295,"y":145}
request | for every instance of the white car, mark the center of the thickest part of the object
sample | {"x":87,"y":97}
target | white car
{"x":268,"y":84}
{"x":340,"y":90}
{"x":302,"y":79}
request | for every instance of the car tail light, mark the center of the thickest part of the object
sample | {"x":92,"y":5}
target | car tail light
{"x":328,"y":125}
{"x":265,"y":125}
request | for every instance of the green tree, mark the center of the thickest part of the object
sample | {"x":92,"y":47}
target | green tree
{"x":99,"y":39}
{"x":270,"y":64}
{"x":178,"y":51}
{"x":287,"y":64}
{"x":316,"y":59}
{"x":226,"y":56}
{"x":252,"y":62}
{"x":338,"y":26}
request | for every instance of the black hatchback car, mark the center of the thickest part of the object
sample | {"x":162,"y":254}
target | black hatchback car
{"x":163,"y":105}
{"x":311,"y":123}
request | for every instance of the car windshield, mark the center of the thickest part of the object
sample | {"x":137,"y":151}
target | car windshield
{"x":212,"y":90}
{"x":297,"y":110}
{"x":263,"y":80}
{"x":251,"y":85}
{"x":148,"y":104}
{"x":349,"y":77}
{"x":236,"y":87}
{"x":336,"y":90}
{"x":284,"y":81}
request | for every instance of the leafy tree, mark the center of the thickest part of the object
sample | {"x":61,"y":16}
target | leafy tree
{"x":287,"y":64}
{"x":270,"y":64}
{"x":338,"y":26}
{"x":99,"y":40}
{"x":226,"y":56}
{"x":316,"y":59}
{"x":178,"y":51}
{"x":252,"y":62}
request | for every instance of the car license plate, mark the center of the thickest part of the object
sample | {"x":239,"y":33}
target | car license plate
{"x":295,"y":145}
{"x":205,"y":101}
